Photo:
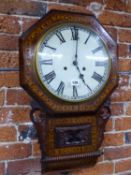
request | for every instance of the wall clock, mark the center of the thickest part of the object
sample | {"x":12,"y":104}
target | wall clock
{"x":68,"y":64}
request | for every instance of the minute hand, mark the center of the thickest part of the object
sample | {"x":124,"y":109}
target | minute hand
{"x":76,"y":54}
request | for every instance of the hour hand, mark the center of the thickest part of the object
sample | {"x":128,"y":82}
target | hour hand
{"x":82,"y":78}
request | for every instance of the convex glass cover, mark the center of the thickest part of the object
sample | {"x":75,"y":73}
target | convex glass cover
{"x":72,"y":62}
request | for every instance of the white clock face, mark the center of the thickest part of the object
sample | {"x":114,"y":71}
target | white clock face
{"x":72,"y":63}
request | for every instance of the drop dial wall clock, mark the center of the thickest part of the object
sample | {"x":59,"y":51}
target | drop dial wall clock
{"x":68,"y":64}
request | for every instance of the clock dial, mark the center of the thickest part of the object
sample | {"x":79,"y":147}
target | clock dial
{"x":72,"y":62}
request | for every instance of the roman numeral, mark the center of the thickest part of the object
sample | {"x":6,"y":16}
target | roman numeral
{"x":97,"y":77}
{"x":49,"y":77}
{"x":60,"y":88}
{"x":87,"y":38}
{"x":75,"y":93}
{"x":50,"y":47}
{"x":74,"y":32}
{"x":47,"y":62}
{"x":45,"y":45}
{"x":97,"y":49}
{"x":101,"y":63}
{"x":60,"y":36}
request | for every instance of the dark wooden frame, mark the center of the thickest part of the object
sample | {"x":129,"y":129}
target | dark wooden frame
{"x":30,"y":82}
{"x":52,"y":115}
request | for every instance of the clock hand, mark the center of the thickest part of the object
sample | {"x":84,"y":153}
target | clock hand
{"x":76,"y":48}
{"x":81,"y":75}
{"x":75,"y":63}
{"x":76,"y":54}
{"x":82,"y":78}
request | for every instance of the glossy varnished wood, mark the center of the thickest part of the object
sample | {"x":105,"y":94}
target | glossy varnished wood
{"x":57,"y":120}
{"x":28,"y":77}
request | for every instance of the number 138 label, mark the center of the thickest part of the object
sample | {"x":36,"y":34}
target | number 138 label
{"x":74,"y":82}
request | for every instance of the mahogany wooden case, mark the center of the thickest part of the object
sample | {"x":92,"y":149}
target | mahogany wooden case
{"x":69,"y":134}
{"x":30,"y":81}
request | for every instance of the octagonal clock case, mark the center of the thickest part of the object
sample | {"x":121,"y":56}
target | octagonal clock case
{"x":68,"y":64}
